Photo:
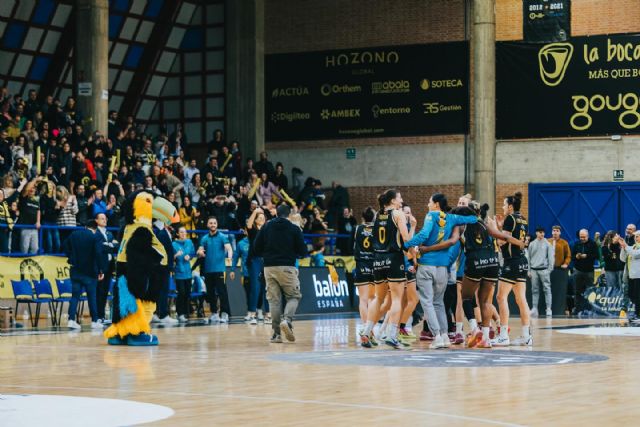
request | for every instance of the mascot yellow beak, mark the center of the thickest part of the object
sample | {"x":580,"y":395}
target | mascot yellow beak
{"x":164,"y":211}
{"x":143,"y":208}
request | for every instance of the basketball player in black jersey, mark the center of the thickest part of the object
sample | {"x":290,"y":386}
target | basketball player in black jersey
{"x":389,"y":234}
{"x":364,"y":256}
{"x":514,"y":272}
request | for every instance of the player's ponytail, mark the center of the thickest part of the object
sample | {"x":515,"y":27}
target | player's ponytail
{"x":515,"y":201}
{"x":385,"y":198}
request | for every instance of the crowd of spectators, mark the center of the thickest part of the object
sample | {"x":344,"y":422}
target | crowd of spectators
{"x":82,"y":174}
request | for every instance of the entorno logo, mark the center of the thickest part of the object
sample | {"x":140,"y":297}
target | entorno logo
{"x":378,"y":111}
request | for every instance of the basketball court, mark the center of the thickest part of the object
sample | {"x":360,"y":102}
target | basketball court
{"x":579,"y":372}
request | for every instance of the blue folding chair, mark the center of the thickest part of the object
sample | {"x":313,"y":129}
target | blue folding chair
{"x":64,"y":295}
{"x":23,"y":293}
{"x":44,"y":295}
{"x":197,"y":295}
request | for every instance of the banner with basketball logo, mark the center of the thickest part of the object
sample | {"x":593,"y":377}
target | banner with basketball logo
{"x":586,"y":86}
{"x":31,"y":268}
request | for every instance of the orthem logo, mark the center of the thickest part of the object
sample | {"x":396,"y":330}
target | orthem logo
{"x":348,"y":113}
{"x":553,"y":60}
{"x":390,"y":86}
{"x":328,"y":89}
{"x":289,"y":91}
{"x":385,"y":111}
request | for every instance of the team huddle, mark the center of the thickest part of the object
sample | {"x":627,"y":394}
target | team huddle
{"x":451,"y":266}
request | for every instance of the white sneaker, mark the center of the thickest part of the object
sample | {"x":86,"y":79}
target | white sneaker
{"x":534,"y":313}
{"x":446,"y":342}
{"x":437,"y":343}
{"x":524,"y":341}
{"x":253,"y":321}
{"x":214,"y":318}
{"x":549,"y":312}
{"x":100,"y":321}
{"x":501,"y":341}
{"x":73,"y":324}
{"x":155,"y":319}
{"x":182,"y":319}
{"x":96,"y":325}
{"x":224,"y":318}
{"x":267,"y":320}
{"x":168,"y":320}
{"x":260,"y":315}
{"x":248,"y":317}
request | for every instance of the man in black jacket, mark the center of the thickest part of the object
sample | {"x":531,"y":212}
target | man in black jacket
{"x":584,"y":254}
{"x":280,"y":243}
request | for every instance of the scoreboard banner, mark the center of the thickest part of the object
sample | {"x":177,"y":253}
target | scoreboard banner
{"x":587,"y":86}
{"x":370,"y":92}
{"x":546,"y":20}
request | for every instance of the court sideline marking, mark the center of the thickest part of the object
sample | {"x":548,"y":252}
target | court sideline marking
{"x":279,"y":399}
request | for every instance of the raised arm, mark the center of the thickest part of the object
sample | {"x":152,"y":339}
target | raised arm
{"x":452,"y":240}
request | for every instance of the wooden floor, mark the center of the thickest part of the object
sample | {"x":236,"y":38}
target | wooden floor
{"x":226,"y":375}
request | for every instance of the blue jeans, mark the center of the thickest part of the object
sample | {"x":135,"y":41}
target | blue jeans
{"x":614,"y":279}
{"x":78,"y":285}
{"x":255,"y":270}
{"x":51,"y":239}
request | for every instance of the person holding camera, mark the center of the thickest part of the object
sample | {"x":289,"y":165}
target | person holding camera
{"x":613,"y":265}
{"x":631,"y":254}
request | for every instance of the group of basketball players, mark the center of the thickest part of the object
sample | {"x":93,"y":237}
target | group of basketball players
{"x":451,"y":267}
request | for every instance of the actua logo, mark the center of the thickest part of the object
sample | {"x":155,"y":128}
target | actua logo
{"x":324,"y":287}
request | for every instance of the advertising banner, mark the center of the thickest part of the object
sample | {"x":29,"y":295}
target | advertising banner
{"x":546,"y":20}
{"x":370,"y":92}
{"x":31,"y":268}
{"x":582,"y":87}
{"x":320,"y":294}
{"x":606,"y":301}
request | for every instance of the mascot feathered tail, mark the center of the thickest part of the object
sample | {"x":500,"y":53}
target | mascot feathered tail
{"x":137,"y":286}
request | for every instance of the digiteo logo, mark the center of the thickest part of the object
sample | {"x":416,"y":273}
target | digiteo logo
{"x":289,"y":91}
{"x":328,"y":89}
{"x":326,"y":287}
{"x":289,"y":117}
{"x":391,"y":86}
{"x":351,"y":113}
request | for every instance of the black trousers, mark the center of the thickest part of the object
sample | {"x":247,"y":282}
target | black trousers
{"x":584,"y":280}
{"x":217,"y":289}
{"x":4,"y":240}
{"x":634,"y":293}
{"x":183,"y":286}
{"x":102,"y":293}
{"x":162,"y":308}
{"x":450,"y":303}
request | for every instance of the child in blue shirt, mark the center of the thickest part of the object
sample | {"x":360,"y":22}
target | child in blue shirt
{"x":184,"y":250}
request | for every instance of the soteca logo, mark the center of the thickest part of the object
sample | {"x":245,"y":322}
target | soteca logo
{"x":289,"y":91}
{"x":328,"y":89}
{"x":385,"y":111}
{"x":350,"y":113}
{"x":391,"y":86}
{"x":553,"y":60}
{"x":289,"y":117}
{"x":426,"y":84}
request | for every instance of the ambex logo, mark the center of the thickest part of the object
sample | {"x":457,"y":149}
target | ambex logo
{"x":553,"y":60}
{"x":327,"y":114}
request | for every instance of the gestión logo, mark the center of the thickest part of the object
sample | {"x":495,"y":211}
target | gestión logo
{"x":328,"y":89}
{"x":553,"y":60}
{"x":289,"y":92}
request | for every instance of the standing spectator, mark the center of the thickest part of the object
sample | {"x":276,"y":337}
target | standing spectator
{"x":184,"y":251}
{"x":29,"y":208}
{"x":50,"y":210}
{"x":242,"y":253}
{"x":585,"y":252}
{"x":631,"y":254}
{"x":83,"y":250}
{"x":346,"y":225}
{"x":613,"y":265}
{"x":189,"y":172}
{"x":629,"y":236}
{"x":280,"y":242}
{"x":31,"y":106}
{"x":280,"y":179}
{"x":100,"y":205}
{"x":339,"y":201}
{"x":213,"y":247}
{"x":257,"y":301}
{"x":109,"y":249}
{"x":162,"y":310}
{"x":6,"y":224}
{"x":264,"y":165}
{"x":68,"y":212}
{"x":541,"y":260}
{"x":84,"y":205}
{"x":6,"y":158}
{"x":188,"y":215}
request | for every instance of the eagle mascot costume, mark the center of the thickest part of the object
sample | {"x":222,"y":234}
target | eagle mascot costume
{"x":138,"y":283}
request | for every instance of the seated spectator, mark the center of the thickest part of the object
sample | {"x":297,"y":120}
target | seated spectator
{"x":268,"y":190}
{"x":346,"y":225}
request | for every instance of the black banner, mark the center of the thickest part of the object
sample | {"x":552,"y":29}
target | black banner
{"x":587,"y":86}
{"x":546,"y":20}
{"x":320,"y":294}
{"x":372,"y":92}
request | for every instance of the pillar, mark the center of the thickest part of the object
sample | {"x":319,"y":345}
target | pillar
{"x":244,"y":88}
{"x":484,"y":89}
{"x":91,"y":67}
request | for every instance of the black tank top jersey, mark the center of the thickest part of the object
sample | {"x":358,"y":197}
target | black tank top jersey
{"x":518,"y":227}
{"x":363,"y":243}
{"x":477,"y":238}
{"x":386,"y":237}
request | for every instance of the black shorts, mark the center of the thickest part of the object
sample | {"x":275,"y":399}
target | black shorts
{"x":411,"y":277}
{"x":363,"y":273}
{"x":389,"y":267}
{"x":482,"y":267}
{"x":515,"y":270}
